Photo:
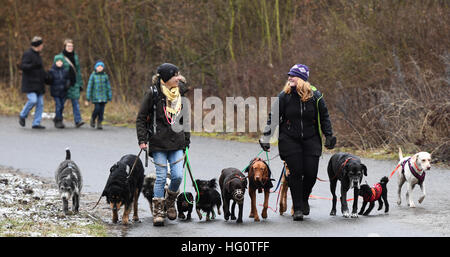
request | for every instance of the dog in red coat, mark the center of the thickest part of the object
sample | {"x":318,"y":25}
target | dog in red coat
{"x":376,"y":193}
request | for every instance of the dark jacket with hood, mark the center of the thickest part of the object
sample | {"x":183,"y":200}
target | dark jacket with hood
{"x":59,"y":81}
{"x":165,"y":138}
{"x":301,"y":124}
{"x":34,"y":76}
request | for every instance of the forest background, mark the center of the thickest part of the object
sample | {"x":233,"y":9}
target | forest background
{"x":382,"y":65}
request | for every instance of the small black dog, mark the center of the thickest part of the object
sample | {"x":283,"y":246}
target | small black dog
{"x":184,"y":206}
{"x":123,"y":188}
{"x":148,"y":187}
{"x":376,"y":193}
{"x":232,"y":184}
{"x":209,"y":197}
{"x":349,"y":170}
{"x":69,"y":181}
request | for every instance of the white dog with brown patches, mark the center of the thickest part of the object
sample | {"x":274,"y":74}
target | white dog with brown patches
{"x":412,"y":171}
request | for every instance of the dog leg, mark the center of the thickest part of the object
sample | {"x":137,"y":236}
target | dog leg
{"x":115,"y":216}
{"x":409,"y":199}
{"x":135,"y":206}
{"x":75,"y":203}
{"x":199,"y":214}
{"x":241,"y":207}
{"x":189,"y":215}
{"x":65,"y":205}
{"x":283,"y":195}
{"x":371,"y":205}
{"x":344,"y":206}
{"x":266,"y":203}
{"x":226,"y":207}
{"x":233,"y":206}
{"x":401,"y":181}
{"x":126,"y":214}
{"x":254,"y":211}
{"x":355,"y":203}
{"x":422,"y":187}
{"x":333,"y":192}
{"x":362,"y":208}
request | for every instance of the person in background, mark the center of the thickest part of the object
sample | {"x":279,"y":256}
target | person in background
{"x":34,"y":78}
{"x":59,"y":84}
{"x":99,"y":93}
{"x":72,"y":65}
{"x":303,"y":118}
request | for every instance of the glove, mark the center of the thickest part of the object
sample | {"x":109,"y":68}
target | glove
{"x":264,"y":146}
{"x":330,"y":142}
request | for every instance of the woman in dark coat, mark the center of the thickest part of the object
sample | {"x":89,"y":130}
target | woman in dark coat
{"x":156,"y":123}
{"x":303,"y":118}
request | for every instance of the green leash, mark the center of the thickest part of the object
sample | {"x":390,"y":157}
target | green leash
{"x":188,"y":167}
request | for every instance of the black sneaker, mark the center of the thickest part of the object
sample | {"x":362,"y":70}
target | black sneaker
{"x":38,"y":127}
{"x":22,"y":121}
{"x":79,"y":124}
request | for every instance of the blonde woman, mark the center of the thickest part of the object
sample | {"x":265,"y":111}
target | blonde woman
{"x":303,"y":118}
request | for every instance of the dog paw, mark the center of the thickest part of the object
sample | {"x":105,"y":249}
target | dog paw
{"x":399,"y":202}
{"x":412,"y":205}
{"x":239,"y":221}
{"x":233,"y":217}
{"x":256,"y":219}
{"x":421,"y":199}
{"x":346,"y":214}
{"x":354,"y":215}
{"x":333,"y":213}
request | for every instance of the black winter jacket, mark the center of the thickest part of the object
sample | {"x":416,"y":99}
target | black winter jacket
{"x":165,"y":138}
{"x":34,"y":76}
{"x":301,"y":124}
{"x":59,"y":81}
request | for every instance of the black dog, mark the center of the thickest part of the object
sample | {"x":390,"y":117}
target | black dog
{"x":69,"y":181}
{"x":376,"y":193}
{"x":184,"y":206}
{"x":123,"y":188}
{"x":232,"y":184}
{"x":209,"y":197}
{"x":349,"y":170}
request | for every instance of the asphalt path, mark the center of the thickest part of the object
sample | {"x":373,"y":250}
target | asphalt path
{"x":39,"y":152}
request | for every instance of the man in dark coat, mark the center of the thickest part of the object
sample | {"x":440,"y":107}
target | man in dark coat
{"x":33,"y":82}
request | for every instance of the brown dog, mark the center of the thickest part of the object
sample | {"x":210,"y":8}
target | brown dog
{"x":259,"y":179}
{"x":283,"y":192}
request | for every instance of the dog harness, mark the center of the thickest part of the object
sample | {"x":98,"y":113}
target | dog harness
{"x":376,"y":193}
{"x":420,"y":177}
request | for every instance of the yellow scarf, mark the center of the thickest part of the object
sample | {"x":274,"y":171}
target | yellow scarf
{"x":173,"y":99}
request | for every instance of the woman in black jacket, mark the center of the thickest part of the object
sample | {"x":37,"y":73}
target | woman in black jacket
{"x":303,"y":118}
{"x":157,"y":125}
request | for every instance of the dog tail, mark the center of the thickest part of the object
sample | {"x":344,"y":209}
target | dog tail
{"x":400,"y":154}
{"x":68,"y":153}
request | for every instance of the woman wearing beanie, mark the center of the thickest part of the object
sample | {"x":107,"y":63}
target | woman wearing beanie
{"x":303,"y":118}
{"x":158,"y":115}
{"x":72,"y":65}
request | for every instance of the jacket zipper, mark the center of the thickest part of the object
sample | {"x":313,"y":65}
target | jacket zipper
{"x":301,"y":117}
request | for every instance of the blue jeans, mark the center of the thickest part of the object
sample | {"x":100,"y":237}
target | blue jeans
{"x":176,"y":171}
{"x":34,"y":100}
{"x":76,"y":110}
{"x":99,"y":110}
{"x":59,"y":107}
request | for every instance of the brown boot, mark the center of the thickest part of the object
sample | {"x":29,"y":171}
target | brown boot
{"x":171,"y":197}
{"x":158,"y":211}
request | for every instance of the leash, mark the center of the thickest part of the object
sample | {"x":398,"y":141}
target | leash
{"x":187,"y":166}
{"x":131,"y":172}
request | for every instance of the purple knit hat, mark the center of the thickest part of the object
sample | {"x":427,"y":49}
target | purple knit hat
{"x":299,"y":70}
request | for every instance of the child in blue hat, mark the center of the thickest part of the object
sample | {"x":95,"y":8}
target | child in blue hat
{"x":99,"y":93}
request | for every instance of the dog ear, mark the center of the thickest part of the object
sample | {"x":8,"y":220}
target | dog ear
{"x":364,"y":168}
{"x":212,"y":183}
